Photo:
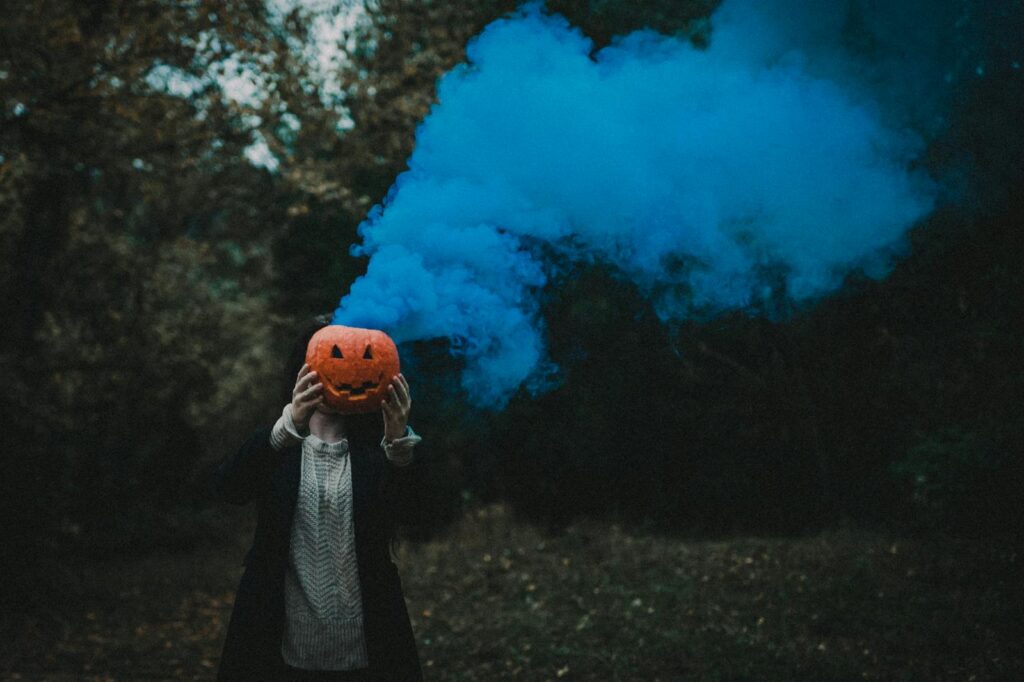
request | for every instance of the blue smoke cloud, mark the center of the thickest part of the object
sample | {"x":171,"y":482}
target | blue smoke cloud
{"x":713,"y":179}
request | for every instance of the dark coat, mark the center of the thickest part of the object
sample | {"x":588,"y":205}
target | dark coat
{"x":382,"y":494}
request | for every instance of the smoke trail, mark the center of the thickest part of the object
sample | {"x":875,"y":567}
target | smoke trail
{"x":713,"y":179}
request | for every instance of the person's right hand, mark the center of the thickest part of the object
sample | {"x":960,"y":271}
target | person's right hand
{"x":306,"y":396}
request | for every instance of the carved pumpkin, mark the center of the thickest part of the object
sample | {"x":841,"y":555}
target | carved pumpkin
{"x":354,"y":365}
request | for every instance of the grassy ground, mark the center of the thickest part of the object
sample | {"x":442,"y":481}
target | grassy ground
{"x":497,"y":600}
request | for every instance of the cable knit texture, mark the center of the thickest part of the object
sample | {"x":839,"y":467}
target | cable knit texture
{"x":324,"y":628}
{"x":323,"y":606}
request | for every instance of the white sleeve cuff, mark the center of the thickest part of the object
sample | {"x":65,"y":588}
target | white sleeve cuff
{"x":400,"y":450}
{"x":285,"y":432}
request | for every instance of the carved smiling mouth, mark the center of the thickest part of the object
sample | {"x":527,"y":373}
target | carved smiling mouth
{"x":359,"y":390}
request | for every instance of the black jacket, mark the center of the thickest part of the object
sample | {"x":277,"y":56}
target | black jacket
{"x":382,"y":493}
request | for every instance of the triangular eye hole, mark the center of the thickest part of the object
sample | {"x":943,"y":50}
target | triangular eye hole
{"x":336,"y":353}
{"x":368,"y":355}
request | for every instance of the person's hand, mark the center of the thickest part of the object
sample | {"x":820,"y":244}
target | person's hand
{"x":306,"y":396}
{"x":395,"y":408}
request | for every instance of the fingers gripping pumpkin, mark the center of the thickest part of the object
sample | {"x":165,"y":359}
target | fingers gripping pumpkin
{"x":354,"y":365}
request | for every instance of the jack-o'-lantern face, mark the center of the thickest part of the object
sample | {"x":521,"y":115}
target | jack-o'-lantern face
{"x":354,"y":365}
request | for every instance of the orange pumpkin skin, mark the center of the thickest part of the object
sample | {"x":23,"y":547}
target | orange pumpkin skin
{"x":354,"y":365}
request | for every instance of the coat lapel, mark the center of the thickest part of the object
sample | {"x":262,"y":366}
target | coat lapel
{"x":286,"y":495}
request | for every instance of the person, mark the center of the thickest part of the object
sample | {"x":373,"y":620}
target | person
{"x":320,"y":597}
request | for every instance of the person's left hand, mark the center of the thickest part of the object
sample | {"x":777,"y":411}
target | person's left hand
{"x":395,"y":408}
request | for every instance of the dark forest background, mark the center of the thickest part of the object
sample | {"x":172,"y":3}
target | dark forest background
{"x":153,"y":278}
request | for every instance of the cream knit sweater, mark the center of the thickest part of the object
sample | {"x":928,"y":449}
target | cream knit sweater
{"x":323,"y":627}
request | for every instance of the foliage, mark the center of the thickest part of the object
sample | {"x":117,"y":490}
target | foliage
{"x":152,"y":274}
{"x":399,"y":52}
{"x":958,"y":481}
{"x":602,"y":20}
{"x":131,"y":290}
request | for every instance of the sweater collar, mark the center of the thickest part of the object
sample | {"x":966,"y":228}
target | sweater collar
{"x":322,"y":447}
